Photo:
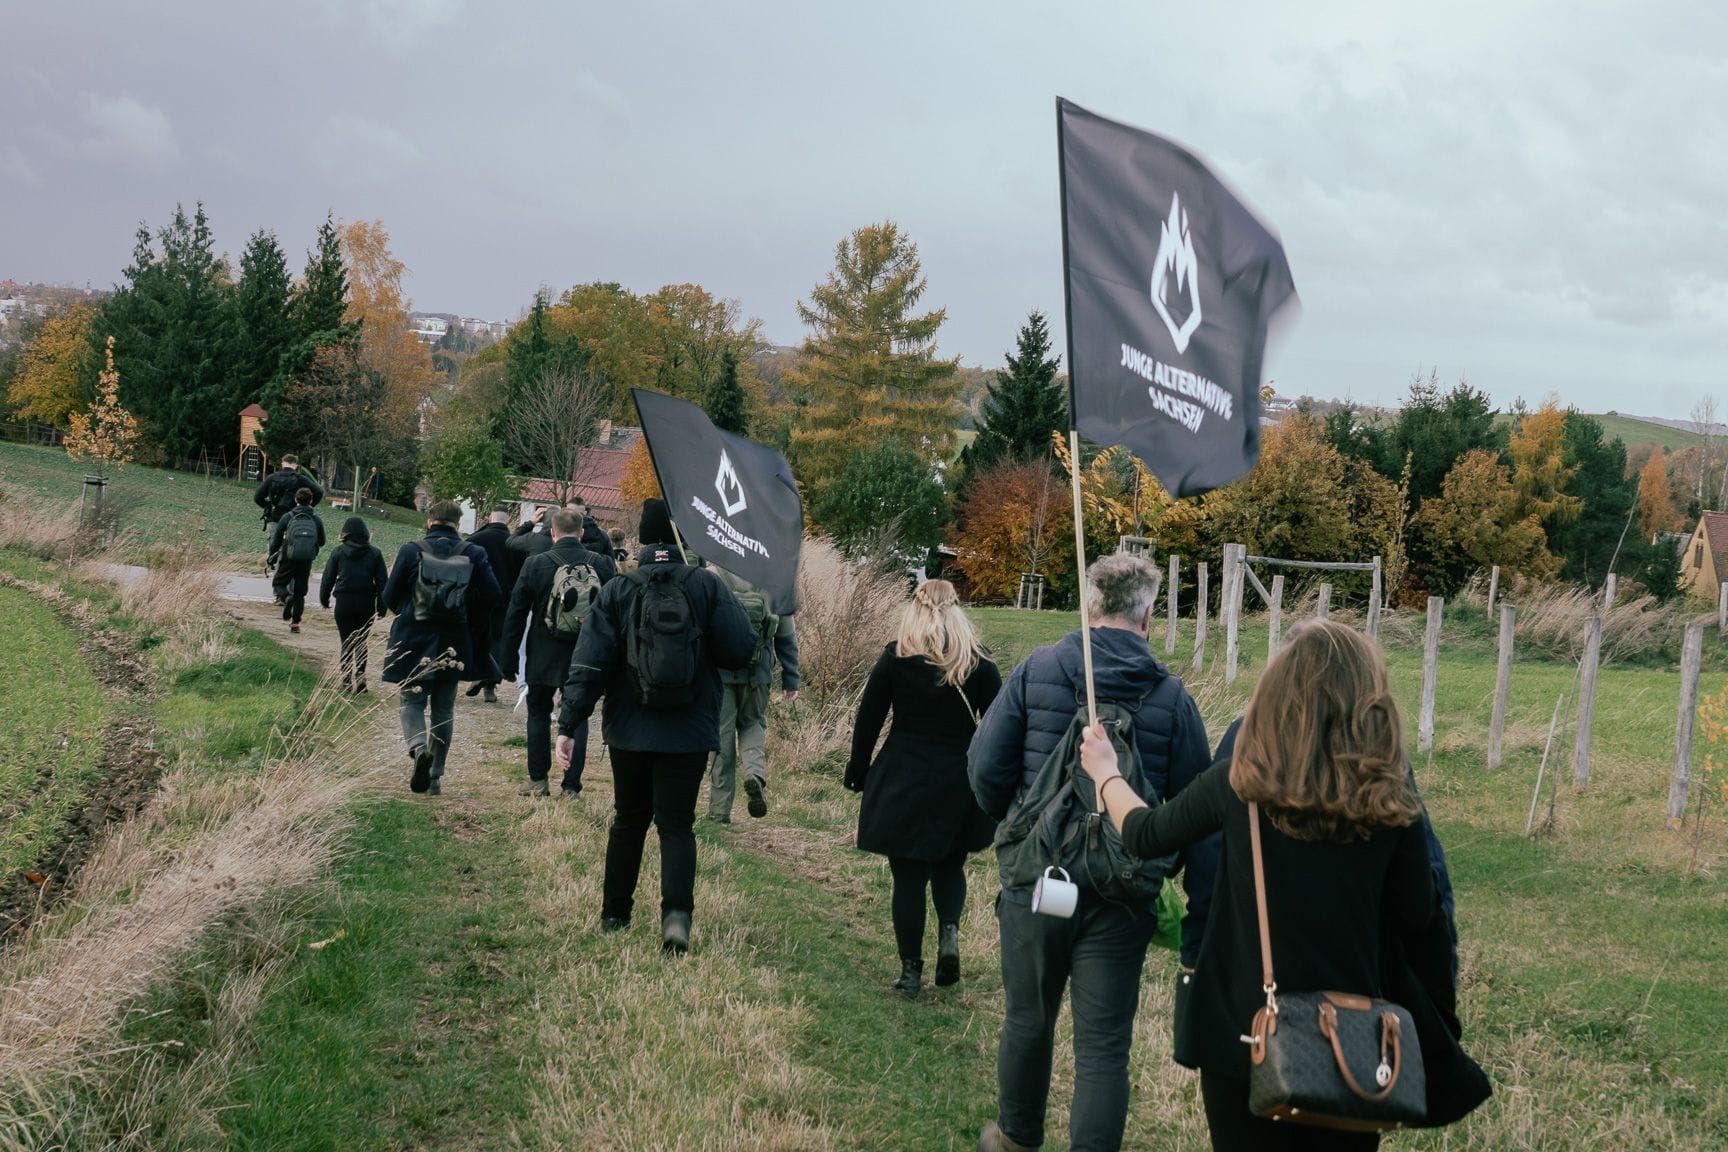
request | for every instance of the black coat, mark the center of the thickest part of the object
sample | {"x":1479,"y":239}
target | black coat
{"x":412,"y":642}
{"x":275,"y":493}
{"x":1343,"y":915}
{"x":598,"y":668}
{"x":492,"y":537}
{"x":918,"y":803}
{"x":355,"y":570}
{"x":548,"y":656}
{"x":523,"y":543}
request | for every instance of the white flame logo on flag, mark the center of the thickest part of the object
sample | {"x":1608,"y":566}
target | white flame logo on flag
{"x":1176,"y":254}
{"x":727,"y":477}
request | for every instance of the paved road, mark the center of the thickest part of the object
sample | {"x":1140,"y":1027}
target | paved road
{"x":235,"y":585}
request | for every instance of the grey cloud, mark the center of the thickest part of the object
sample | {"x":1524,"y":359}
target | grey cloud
{"x":127,"y":129}
{"x":354,"y":150}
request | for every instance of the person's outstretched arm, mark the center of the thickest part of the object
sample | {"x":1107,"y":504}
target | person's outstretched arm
{"x":1146,"y":832}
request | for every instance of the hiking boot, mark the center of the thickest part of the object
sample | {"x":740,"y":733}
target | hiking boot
{"x":948,"y":955}
{"x":294,"y":628}
{"x":534,"y":788}
{"x":614,"y":923}
{"x":911,"y":978}
{"x":490,"y":697}
{"x":433,"y":787}
{"x":675,"y":933}
{"x":422,"y":778}
{"x":360,"y":688}
{"x":992,"y":1139}
{"x":720,"y":817}
{"x":570,"y":793}
{"x":755,"y":788}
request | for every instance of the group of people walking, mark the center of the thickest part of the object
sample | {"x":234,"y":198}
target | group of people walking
{"x":1310,"y":788}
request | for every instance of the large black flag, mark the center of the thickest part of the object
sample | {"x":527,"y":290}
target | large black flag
{"x":1171,"y":284}
{"x":734,"y":500}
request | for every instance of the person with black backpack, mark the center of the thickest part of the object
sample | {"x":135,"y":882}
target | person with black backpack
{"x":651,"y":646}
{"x":295,"y":543}
{"x":355,"y":575}
{"x":437,"y":586}
{"x":275,"y":495}
{"x":1024,"y":766}
{"x":744,"y":697}
{"x":554,"y":593}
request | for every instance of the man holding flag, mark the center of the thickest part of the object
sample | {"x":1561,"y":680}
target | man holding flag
{"x":1171,"y":283}
{"x":655,"y":639}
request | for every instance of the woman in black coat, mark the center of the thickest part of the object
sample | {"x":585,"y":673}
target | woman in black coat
{"x":355,"y":575}
{"x":1348,"y":883}
{"x":918,"y":807}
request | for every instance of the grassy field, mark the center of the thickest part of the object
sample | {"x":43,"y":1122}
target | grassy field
{"x":51,"y":741}
{"x":1633,"y":431}
{"x":158,"y":507}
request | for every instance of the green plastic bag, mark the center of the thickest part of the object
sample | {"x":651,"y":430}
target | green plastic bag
{"x":1171,"y":908}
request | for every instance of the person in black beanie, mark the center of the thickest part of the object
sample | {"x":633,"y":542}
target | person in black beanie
{"x":355,"y":575}
{"x":656,"y":524}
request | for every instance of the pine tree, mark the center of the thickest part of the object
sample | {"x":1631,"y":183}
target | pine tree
{"x":725,"y":400}
{"x":315,"y":321}
{"x":869,"y":371}
{"x":1025,"y":405}
{"x":260,"y":325}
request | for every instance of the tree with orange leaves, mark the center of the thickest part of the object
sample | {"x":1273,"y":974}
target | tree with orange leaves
{"x":1656,"y":498}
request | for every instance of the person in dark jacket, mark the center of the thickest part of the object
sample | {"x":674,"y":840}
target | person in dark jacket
{"x":1346,"y":867}
{"x":295,"y":542}
{"x":1102,"y":949}
{"x":657,"y":756}
{"x":354,"y":577}
{"x":492,"y":536}
{"x":429,"y":659}
{"x":744,"y":698}
{"x":918,"y":808}
{"x":548,"y":657}
{"x":275,"y":495}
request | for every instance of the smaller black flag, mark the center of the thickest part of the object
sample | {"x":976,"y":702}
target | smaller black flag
{"x":734,"y":500}
{"x":1171,"y":285}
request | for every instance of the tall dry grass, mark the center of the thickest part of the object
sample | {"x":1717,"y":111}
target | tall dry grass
{"x":44,"y":531}
{"x":1554,"y":619}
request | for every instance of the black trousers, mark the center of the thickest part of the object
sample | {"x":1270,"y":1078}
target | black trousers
{"x":293,"y":578}
{"x":657,"y":788}
{"x":354,"y":615}
{"x":946,"y":880}
{"x":1235,"y":1129}
{"x":540,"y":697}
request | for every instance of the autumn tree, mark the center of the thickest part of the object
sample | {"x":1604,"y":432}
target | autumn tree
{"x":869,"y":372}
{"x":465,"y":461}
{"x":1295,"y":503}
{"x":1024,"y":405}
{"x":1655,"y":500}
{"x":379,"y":309}
{"x":1475,"y":523}
{"x":640,"y":482}
{"x":1015,"y":518}
{"x":696,"y":333}
{"x":1540,"y":472}
{"x":48,"y":383}
{"x":106,"y":432}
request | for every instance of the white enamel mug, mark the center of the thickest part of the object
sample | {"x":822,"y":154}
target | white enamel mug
{"x":1053,"y":897}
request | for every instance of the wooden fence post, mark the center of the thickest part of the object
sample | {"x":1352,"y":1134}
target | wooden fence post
{"x":1199,"y":664}
{"x":1587,"y":704}
{"x":1430,"y":675}
{"x":1493,"y":590}
{"x":1375,"y":592}
{"x":1170,"y":598}
{"x":1232,"y":608}
{"x":1323,"y":608}
{"x":1691,"y":657}
{"x":1608,"y":592}
{"x":1275,"y":619}
{"x":1722,"y":609}
{"x":1502,"y":687}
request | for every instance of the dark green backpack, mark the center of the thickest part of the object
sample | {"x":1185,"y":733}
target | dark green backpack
{"x":1056,"y":821}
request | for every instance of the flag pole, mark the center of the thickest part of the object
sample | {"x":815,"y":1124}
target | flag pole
{"x":1074,"y":432}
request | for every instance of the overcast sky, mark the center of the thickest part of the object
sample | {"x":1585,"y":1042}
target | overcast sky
{"x":1532,"y":194}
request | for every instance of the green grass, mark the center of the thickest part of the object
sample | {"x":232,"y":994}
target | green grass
{"x":1633,"y":431}
{"x":223,"y":711}
{"x":51,"y":740}
{"x":159,"y":507}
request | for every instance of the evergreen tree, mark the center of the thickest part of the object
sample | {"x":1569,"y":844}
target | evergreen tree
{"x":1025,"y":404}
{"x":133,"y":316}
{"x":1607,"y":496}
{"x":533,"y":352}
{"x":725,"y":401}
{"x":888,"y":498}
{"x":261,"y":325}
{"x":869,"y":370}
{"x":315,"y":321}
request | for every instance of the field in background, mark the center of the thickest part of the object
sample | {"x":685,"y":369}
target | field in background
{"x":1633,"y":431}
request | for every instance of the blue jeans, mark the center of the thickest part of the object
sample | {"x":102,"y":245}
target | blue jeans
{"x":540,"y":740}
{"x":440,"y":696}
{"x":1097,"y":955}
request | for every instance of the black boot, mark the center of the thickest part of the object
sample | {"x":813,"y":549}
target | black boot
{"x":948,"y":955}
{"x":911,"y":978}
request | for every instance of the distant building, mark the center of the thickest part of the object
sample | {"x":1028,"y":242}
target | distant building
{"x":601,"y":475}
{"x":1704,"y":563}
{"x":428,"y":329}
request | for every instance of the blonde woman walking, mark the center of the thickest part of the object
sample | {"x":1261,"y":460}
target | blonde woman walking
{"x":918,"y":807}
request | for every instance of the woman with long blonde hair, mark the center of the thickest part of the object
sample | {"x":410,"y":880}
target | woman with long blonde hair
{"x":918,"y":808}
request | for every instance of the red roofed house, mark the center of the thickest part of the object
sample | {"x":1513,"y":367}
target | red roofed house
{"x":601,"y":471}
{"x":1704,"y":564}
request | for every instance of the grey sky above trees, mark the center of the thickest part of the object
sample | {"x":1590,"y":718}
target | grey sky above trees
{"x":1530,"y":193}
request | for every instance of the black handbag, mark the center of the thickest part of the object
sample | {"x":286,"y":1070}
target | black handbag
{"x":1329,"y":1059}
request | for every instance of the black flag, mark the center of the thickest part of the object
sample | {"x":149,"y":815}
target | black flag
{"x":734,"y":500}
{"x":1171,"y":284}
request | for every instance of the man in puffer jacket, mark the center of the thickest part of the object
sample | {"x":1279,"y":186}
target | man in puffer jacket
{"x":1101,"y":949}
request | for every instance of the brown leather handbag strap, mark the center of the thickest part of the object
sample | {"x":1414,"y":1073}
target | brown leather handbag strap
{"x":1268,"y":984}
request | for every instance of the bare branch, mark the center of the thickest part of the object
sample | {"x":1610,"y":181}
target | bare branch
{"x":552,"y":423}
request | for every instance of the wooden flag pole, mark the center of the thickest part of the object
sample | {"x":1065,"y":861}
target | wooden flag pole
{"x":1080,"y":553}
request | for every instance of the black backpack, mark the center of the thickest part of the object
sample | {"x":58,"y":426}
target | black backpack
{"x":1056,"y":821}
{"x":441,"y":586}
{"x":300,"y":537}
{"x":283,"y":485}
{"x":663,"y":650}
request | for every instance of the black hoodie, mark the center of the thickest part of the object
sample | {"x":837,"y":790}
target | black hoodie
{"x":355,"y":570}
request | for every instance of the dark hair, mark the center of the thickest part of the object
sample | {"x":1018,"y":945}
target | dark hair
{"x":1321,"y":746}
{"x":445,"y":512}
{"x":303,"y":497}
{"x":290,"y":461}
{"x":504,"y":508}
{"x":566,"y":523}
